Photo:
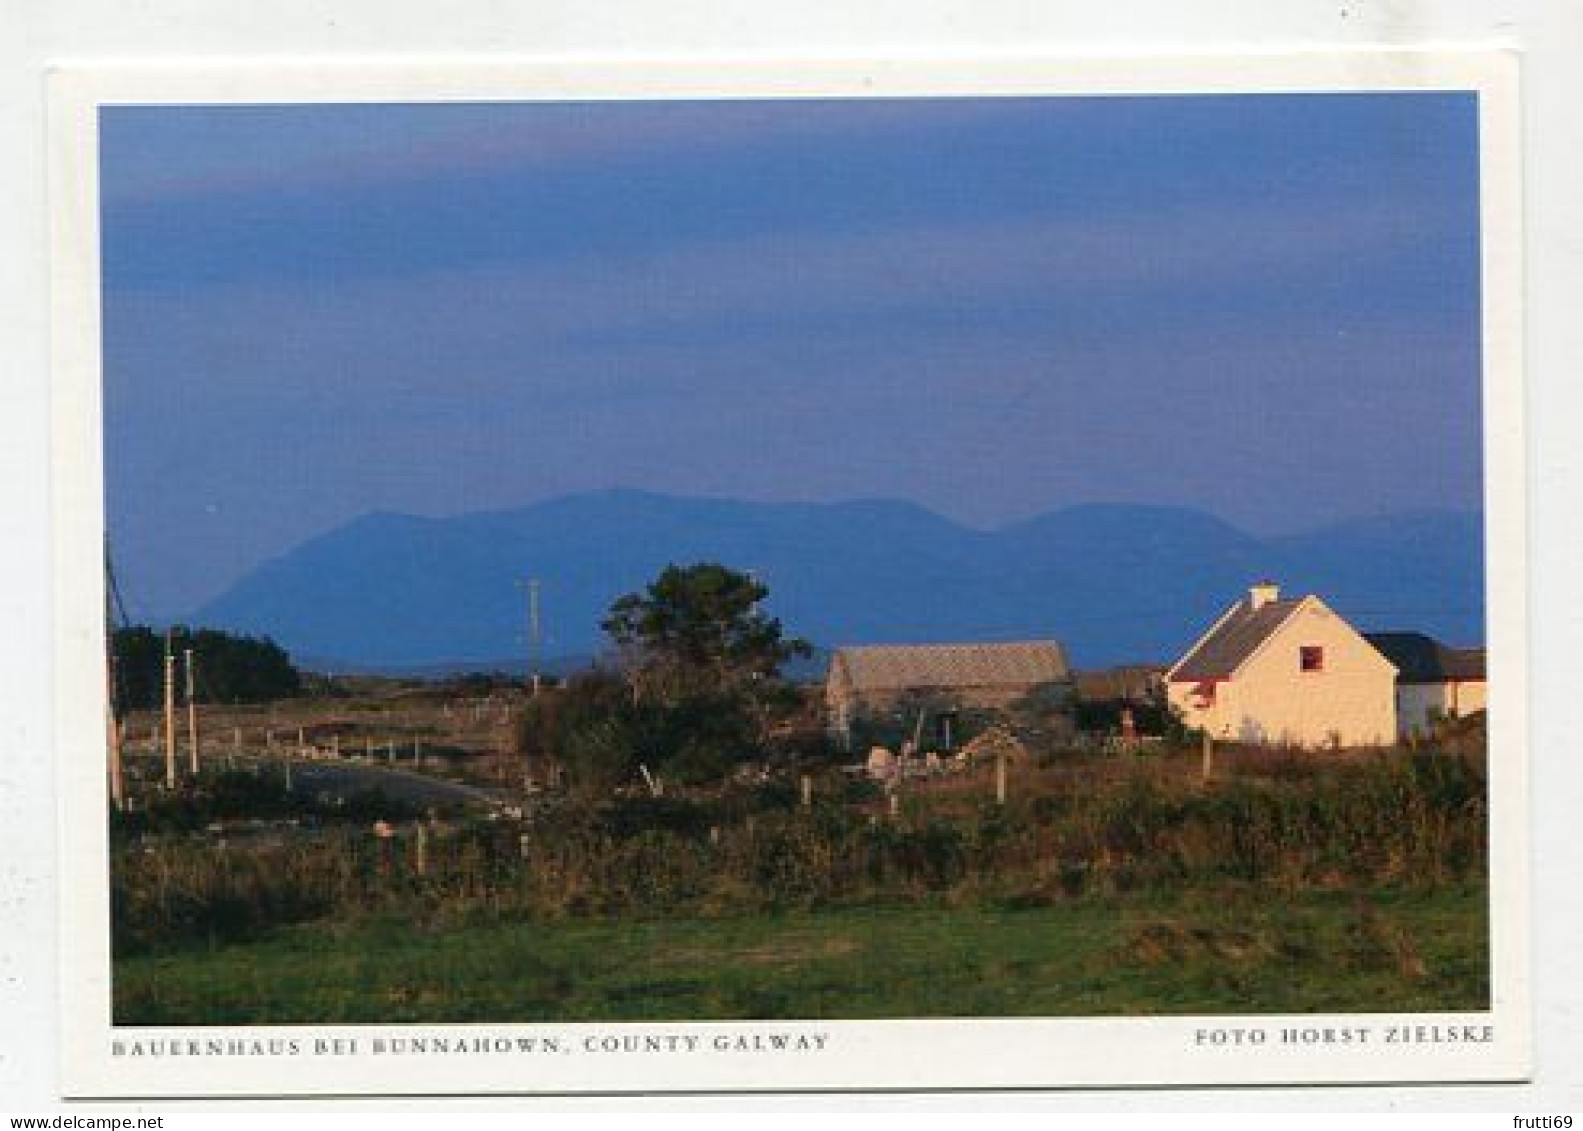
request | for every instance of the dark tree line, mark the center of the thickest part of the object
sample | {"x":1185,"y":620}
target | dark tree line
{"x":229,"y":668}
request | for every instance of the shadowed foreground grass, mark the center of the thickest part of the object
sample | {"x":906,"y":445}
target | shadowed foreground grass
{"x":1231,"y":950}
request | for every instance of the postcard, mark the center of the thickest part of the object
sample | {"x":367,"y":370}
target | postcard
{"x":713,"y":576}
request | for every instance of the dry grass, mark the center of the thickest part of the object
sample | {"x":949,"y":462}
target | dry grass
{"x":1070,"y":831}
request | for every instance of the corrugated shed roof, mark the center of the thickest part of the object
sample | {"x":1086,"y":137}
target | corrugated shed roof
{"x":1132,"y":681}
{"x":1423,"y":659}
{"x":896,"y":667}
{"x":1236,"y":638}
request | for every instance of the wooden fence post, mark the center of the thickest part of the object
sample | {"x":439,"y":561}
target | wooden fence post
{"x":1209,"y":756}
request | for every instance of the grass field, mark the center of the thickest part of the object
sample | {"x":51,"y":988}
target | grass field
{"x":1102,"y":886}
{"x":1227,"y":950}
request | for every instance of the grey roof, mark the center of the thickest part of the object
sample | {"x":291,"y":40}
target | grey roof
{"x":1423,"y":659}
{"x":1129,"y":681}
{"x":1236,"y":638}
{"x":897,"y":667}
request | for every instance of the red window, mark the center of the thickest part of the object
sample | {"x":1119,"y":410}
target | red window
{"x":1311,"y":658}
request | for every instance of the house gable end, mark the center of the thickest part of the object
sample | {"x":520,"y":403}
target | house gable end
{"x":1291,"y":631}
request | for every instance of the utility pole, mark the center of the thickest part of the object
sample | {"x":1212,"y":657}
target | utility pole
{"x":112,"y":718}
{"x":192,"y":710}
{"x":117,"y":729}
{"x":533,"y":633}
{"x":170,"y":713}
{"x":117,"y":783}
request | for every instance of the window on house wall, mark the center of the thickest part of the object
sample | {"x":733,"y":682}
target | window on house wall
{"x":1311,"y":658}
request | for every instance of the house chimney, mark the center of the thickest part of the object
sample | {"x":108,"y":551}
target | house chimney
{"x":1261,"y":593}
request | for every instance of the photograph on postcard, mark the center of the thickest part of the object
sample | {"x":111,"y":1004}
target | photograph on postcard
{"x":783,"y":559}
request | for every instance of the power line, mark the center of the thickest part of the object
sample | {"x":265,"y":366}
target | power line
{"x":118,"y":605}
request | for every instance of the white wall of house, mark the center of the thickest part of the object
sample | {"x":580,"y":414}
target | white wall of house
{"x":1470,"y":698}
{"x":1350,"y":699}
{"x":1418,"y":705}
{"x":1202,"y":706}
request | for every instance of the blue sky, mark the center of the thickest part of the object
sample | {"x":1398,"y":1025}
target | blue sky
{"x":1263,"y":306}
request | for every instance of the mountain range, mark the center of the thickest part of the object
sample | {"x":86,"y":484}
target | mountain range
{"x":1114,"y":583}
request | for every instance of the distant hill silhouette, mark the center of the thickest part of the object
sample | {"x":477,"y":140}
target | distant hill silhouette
{"x":1115,"y":583}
